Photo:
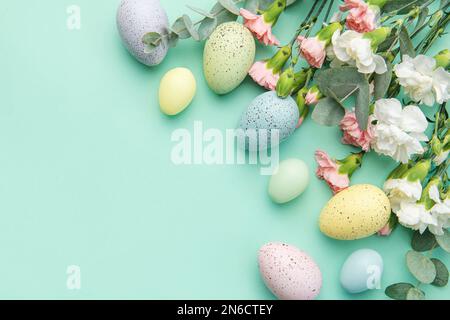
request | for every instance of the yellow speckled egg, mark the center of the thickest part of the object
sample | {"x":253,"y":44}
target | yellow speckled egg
{"x":356,"y":212}
{"x":228,"y":56}
{"x":176,"y":91}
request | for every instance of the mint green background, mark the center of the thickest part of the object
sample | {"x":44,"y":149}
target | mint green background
{"x":86,"y":176}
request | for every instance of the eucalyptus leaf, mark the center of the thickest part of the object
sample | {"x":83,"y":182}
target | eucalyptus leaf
{"x":406,"y":45}
{"x":415,"y":294}
{"x":403,"y":5}
{"x":179,"y":27}
{"x":444,"y":241}
{"x":398,"y":291}
{"x":173,"y":39}
{"x":423,"y":242}
{"x":207,"y":27}
{"x":382,"y":82}
{"x":252,"y":5}
{"x":441,"y":279}
{"x":201,"y":12}
{"x":151,"y":40}
{"x":328,"y":112}
{"x":222,"y":15}
{"x":421,"y":267}
{"x":230,"y":6}
{"x":190,"y":27}
{"x":343,"y":82}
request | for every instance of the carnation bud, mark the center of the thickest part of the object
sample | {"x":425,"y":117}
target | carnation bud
{"x":436,"y":145}
{"x":303,"y":109}
{"x":313,"y":96}
{"x":399,"y":171}
{"x":272,"y":14}
{"x":286,"y":82}
{"x":378,"y":3}
{"x":425,"y":199}
{"x":300,"y":78}
{"x":436,"y":17}
{"x":378,"y":36}
{"x":326,"y":33}
{"x":418,"y":172}
{"x":443,"y":59}
{"x":277,"y":62}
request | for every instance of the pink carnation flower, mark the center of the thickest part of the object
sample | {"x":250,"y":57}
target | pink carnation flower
{"x":385,"y":231}
{"x":362,"y":17}
{"x":263,"y":75}
{"x":313,"y":50}
{"x":353,"y":135}
{"x":328,"y":170}
{"x":260,"y":29}
{"x":312,"y":98}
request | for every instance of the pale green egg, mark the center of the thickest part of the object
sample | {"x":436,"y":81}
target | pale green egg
{"x":289,"y":181}
{"x":228,"y":56}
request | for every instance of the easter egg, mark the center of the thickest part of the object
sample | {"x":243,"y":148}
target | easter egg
{"x":135,"y":18}
{"x":289,"y":180}
{"x":228,"y":56}
{"x":362,"y":271}
{"x":266,"y":114}
{"x":354,"y":213}
{"x":176,"y":91}
{"x":288,"y":272}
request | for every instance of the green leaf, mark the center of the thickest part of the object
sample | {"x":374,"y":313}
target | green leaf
{"x":342,"y":82}
{"x":230,"y":6}
{"x":403,"y":5}
{"x":201,"y":11}
{"x":415,"y":294}
{"x":328,"y":112}
{"x":421,"y":267}
{"x":190,"y":27}
{"x":441,"y":279}
{"x":206,"y":28}
{"x":173,"y":39}
{"x":423,"y":242}
{"x":252,"y":5}
{"x":222,"y":15}
{"x":179,"y":27}
{"x":151,"y":40}
{"x":398,"y":291}
{"x":382,"y":82}
{"x":264,"y":4}
{"x":406,"y":45}
{"x":386,"y":44}
{"x":421,"y":20}
{"x":444,"y":241}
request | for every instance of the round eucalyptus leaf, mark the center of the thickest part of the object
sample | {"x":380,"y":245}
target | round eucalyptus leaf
{"x":444,"y":240}
{"x":398,"y":291}
{"x":423,"y":242}
{"x":207,"y":27}
{"x":421,"y":267}
{"x":415,"y":294}
{"x":441,"y":279}
{"x":328,"y":112}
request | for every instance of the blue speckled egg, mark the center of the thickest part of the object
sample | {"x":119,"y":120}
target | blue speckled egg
{"x":362,"y":271}
{"x":135,"y":18}
{"x":265,"y":113}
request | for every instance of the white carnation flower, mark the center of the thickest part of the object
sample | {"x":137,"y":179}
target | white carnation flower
{"x":421,"y":80}
{"x":402,"y":190}
{"x":440,"y":212}
{"x":415,"y":216}
{"x":398,"y":131}
{"x":351,"y":47}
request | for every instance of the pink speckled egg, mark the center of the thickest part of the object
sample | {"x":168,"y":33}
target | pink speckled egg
{"x":289,"y":272}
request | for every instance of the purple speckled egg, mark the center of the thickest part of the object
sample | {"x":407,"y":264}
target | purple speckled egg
{"x":135,"y":18}
{"x":288,"y":272}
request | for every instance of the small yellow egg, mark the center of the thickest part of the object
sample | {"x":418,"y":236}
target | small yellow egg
{"x":356,"y":212}
{"x":176,"y":91}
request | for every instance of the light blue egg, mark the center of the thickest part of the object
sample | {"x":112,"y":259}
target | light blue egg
{"x":362,"y":271}
{"x":268,"y":112}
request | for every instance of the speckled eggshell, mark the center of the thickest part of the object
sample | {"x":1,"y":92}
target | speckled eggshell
{"x":269,"y":112}
{"x":135,"y":18}
{"x":289,"y":273}
{"x":354,"y":213}
{"x":228,"y":56}
{"x":361,"y":271}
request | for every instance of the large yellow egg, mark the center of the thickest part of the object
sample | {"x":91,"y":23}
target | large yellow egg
{"x":176,"y":91}
{"x":356,"y":212}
